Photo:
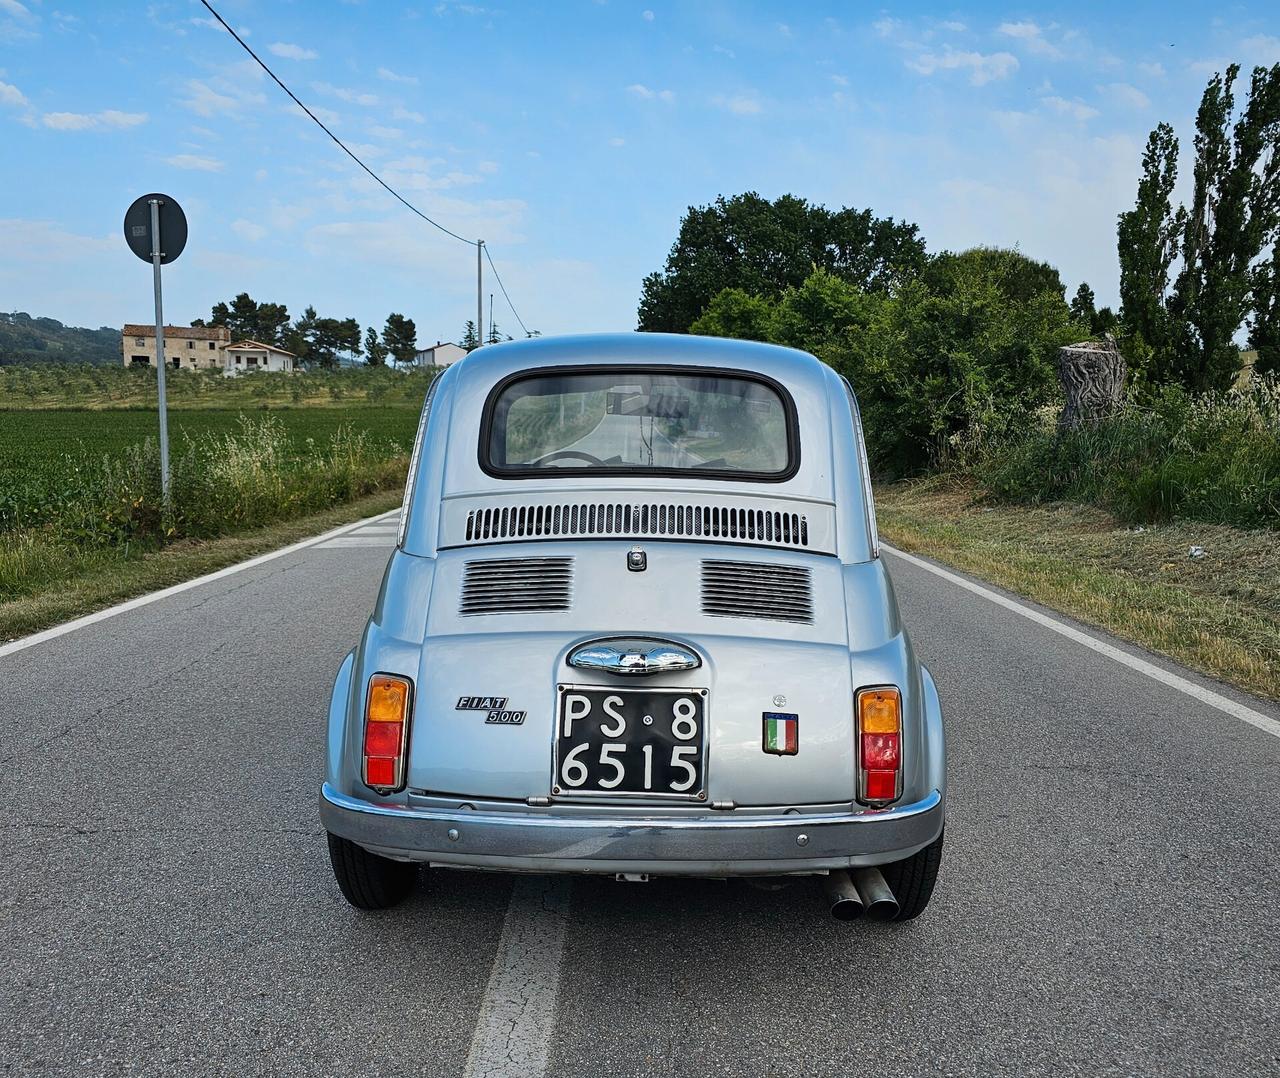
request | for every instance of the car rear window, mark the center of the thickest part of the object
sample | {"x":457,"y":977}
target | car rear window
{"x":640,"y":421}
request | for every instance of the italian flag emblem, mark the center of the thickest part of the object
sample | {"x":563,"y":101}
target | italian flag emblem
{"x":781,"y":733}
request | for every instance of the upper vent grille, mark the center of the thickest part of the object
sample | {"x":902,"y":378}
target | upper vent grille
{"x":516,"y":585}
{"x":736,"y":524}
{"x":744,"y":589}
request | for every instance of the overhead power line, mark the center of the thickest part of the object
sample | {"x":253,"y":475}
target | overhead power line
{"x":342,"y":145}
{"x":502,"y":286}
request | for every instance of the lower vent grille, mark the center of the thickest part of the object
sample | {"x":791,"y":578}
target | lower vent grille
{"x":516,"y":585}
{"x":744,"y":589}
{"x":767,"y":526}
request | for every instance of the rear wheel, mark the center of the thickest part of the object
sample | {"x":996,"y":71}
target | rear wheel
{"x":912,"y":879}
{"x":369,"y":882}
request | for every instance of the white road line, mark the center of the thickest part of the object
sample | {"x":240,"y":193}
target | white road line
{"x":513,"y":1030}
{"x":360,"y":539}
{"x":1151,"y":670}
{"x":143,"y":600}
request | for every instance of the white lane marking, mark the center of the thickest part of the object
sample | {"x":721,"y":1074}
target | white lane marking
{"x":358,"y":540}
{"x":513,"y":1030}
{"x":393,"y":528}
{"x":143,"y":600}
{"x":1156,"y":673}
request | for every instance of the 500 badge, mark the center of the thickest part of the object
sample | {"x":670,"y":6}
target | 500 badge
{"x":495,"y":708}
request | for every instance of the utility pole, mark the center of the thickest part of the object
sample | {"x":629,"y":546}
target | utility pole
{"x":479,"y":293}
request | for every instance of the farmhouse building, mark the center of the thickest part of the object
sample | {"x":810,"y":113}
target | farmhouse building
{"x":202,"y":348}
{"x":185,"y":347}
{"x":254,"y":356}
{"x":439,"y":355}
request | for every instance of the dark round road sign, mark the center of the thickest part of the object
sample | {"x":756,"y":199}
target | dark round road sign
{"x":173,"y":228}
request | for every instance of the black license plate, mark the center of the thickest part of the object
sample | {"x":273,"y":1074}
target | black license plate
{"x":632,"y":742}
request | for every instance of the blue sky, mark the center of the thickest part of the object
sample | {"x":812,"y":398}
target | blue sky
{"x":571,"y":136}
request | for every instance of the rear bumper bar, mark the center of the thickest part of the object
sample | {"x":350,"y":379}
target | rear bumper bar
{"x":704,"y":846}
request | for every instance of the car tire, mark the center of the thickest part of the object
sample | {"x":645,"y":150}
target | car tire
{"x":912,"y":879}
{"x":369,"y":882}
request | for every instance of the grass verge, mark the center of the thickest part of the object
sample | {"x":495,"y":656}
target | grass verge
{"x":1219,"y":614}
{"x":114,"y":575}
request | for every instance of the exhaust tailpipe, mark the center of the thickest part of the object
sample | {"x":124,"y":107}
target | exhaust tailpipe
{"x":846,"y":903}
{"x":874,"y":894}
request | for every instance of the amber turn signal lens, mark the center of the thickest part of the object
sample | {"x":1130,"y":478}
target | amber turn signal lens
{"x":388,"y":699}
{"x":880,"y":711}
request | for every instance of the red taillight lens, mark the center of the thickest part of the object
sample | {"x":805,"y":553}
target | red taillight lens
{"x":879,"y":744}
{"x":386,"y":721}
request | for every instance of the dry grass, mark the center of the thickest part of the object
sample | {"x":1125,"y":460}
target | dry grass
{"x":1219,"y":614}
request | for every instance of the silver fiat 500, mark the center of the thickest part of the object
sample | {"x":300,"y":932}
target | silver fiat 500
{"x":636,"y":623}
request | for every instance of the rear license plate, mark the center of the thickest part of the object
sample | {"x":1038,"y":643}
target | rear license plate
{"x":631,"y":742}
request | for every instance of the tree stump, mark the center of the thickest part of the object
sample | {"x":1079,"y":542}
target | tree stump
{"x":1092,"y":377}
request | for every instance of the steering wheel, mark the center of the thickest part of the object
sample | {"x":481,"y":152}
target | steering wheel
{"x":569,"y":454}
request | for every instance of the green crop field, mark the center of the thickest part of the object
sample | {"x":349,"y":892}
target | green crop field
{"x":36,"y":439}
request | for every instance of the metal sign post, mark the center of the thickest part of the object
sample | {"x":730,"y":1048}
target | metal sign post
{"x":156,"y":255}
{"x":150,"y":218}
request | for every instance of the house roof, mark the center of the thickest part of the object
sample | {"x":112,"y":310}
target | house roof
{"x":257,"y":346}
{"x":199,"y":333}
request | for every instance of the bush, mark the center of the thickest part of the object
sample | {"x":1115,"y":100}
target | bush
{"x":1214,"y":458}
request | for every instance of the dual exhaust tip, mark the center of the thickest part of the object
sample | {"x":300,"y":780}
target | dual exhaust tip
{"x":862,"y":891}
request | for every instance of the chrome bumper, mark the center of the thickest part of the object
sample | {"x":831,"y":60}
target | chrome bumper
{"x":705,"y":846}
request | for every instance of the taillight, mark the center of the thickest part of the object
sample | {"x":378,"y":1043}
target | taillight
{"x":386,"y":724}
{"x":879,"y":745}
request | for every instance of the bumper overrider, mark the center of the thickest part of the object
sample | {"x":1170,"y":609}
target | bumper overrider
{"x":714,"y":845}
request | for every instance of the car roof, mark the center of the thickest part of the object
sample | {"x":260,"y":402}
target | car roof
{"x":494,"y":362}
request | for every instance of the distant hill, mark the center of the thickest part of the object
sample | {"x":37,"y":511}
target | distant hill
{"x":24,"y":339}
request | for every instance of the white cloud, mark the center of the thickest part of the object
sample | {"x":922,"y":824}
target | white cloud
{"x":647,"y":16}
{"x":352,"y":97}
{"x":195,"y":163}
{"x":1153,"y":71}
{"x":11,"y":95}
{"x":617,"y":141}
{"x":289,"y":51}
{"x":326,"y":116}
{"x":247,"y":230}
{"x":392,"y":133}
{"x":982,"y":67}
{"x":1260,"y":50}
{"x":1128,"y":96}
{"x":488,"y":167}
{"x":784,"y":29}
{"x":227,"y":99}
{"x":724,"y":52}
{"x":388,"y":75}
{"x":739,"y":104}
{"x":839,"y":80}
{"x":954,"y":26}
{"x":97,"y":121}
{"x":1076,"y":109}
{"x":407,"y":115}
{"x":1031,"y":36}
{"x":17,"y":10}
{"x":643,"y":92}
{"x":886,"y":27}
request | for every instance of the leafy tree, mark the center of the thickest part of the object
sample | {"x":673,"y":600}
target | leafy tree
{"x":1147,"y":242}
{"x":962,"y":353}
{"x":1233,"y":215}
{"x":321,"y":341}
{"x":762,"y":248}
{"x":375,"y":354}
{"x":1264,"y":328}
{"x":249,"y":320}
{"x":400,"y":338}
{"x":470,"y":338}
{"x":1083,"y":307}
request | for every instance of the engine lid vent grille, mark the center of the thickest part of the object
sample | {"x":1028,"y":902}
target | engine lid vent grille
{"x":516,"y":585}
{"x":770,"y":527}
{"x":744,"y":589}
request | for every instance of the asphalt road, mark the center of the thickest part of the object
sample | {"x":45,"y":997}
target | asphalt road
{"x":1109,"y":902}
